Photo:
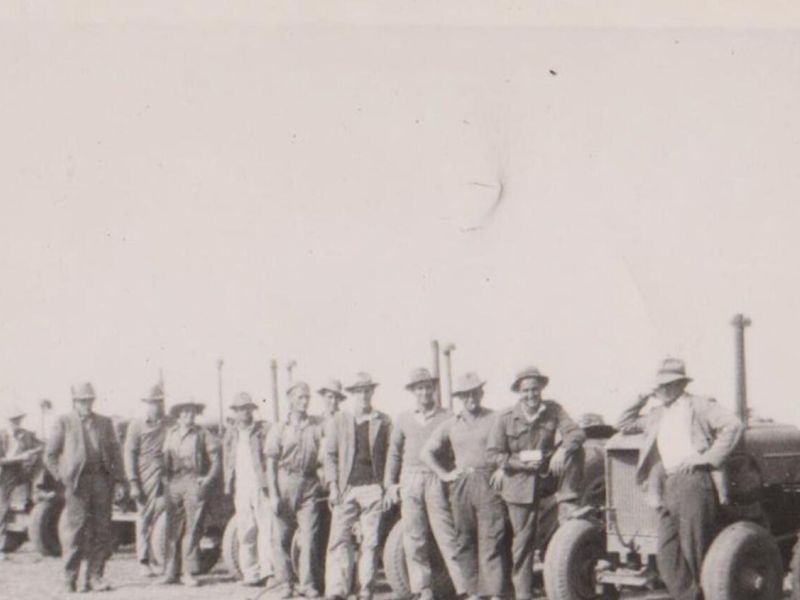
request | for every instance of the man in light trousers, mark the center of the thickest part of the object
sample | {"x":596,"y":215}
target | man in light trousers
{"x":245,"y":478}
{"x":355,"y":456}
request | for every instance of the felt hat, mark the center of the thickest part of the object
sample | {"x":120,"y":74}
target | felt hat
{"x":243,"y":400}
{"x":420,"y":375}
{"x":156,"y":394}
{"x":467,"y":383}
{"x":14,"y":411}
{"x":298,"y":385}
{"x":178,"y":407}
{"x":334,"y":386}
{"x":363,"y":380}
{"x":83,"y":391}
{"x":526,"y":373}
{"x":671,"y":369}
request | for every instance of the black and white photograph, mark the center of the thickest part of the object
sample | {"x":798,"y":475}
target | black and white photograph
{"x":398,"y":300}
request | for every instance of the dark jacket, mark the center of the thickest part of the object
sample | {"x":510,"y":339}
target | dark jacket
{"x":340,"y":446}
{"x":65,"y":453}
{"x":205,"y":458}
{"x":258,"y":440}
{"x":27,"y":441}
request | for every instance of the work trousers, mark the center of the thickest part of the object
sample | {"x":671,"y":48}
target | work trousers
{"x":524,"y":516}
{"x":254,"y":532}
{"x":185,"y":508}
{"x":687,"y":525}
{"x":425,"y":508}
{"x":84,"y":527}
{"x":9,"y":479}
{"x":299,"y":512}
{"x":148,"y":510}
{"x":480,"y":519}
{"x":362,"y":503}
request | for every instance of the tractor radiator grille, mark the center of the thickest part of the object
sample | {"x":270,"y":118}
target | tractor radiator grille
{"x":631,"y":525}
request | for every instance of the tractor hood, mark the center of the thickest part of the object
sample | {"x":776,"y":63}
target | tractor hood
{"x":775,"y":449}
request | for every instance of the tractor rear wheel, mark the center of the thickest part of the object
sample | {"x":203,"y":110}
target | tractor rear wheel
{"x":569,"y":565}
{"x":43,"y":527}
{"x":794,"y":574}
{"x":11,"y":540}
{"x":743,"y":563}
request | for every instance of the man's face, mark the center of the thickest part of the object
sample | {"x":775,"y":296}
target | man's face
{"x":83,"y":406}
{"x":472,"y":400}
{"x":362,"y":399}
{"x":298,"y":401}
{"x":243,"y":415}
{"x":155,"y":410}
{"x":423,"y":391}
{"x":669,"y":392}
{"x":332,"y":401}
{"x":186,"y":417}
{"x":530,"y":393}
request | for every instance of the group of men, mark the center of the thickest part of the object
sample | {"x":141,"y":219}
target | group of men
{"x":459,"y":479}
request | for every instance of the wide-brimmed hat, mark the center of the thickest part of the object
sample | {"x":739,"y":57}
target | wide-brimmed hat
{"x":333,"y":386}
{"x":14,"y":411}
{"x":156,"y":394}
{"x":671,"y":369}
{"x":420,"y":375}
{"x":526,"y":373}
{"x":176,"y":408}
{"x":363,"y":381}
{"x":467,"y":383}
{"x":83,"y":391}
{"x":243,"y":400}
{"x":298,"y":385}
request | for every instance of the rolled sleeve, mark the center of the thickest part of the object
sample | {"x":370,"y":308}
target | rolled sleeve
{"x":497,"y":450}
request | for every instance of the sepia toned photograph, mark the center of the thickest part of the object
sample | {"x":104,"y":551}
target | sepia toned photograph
{"x":393,"y":300}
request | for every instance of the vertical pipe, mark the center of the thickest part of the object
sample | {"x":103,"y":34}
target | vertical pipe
{"x":435,"y":352}
{"x":740,"y":322}
{"x":220,"y":362}
{"x":448,"y":366}
{"x":276,"y":413}
{"x":290,"y":370}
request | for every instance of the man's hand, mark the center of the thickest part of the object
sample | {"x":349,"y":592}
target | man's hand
{"x":558,"y":462}
{"x":693,"y":463}
{"x":274,"y":504}
{"x":496,"y":480}
{"x":450,"y":476}
{"x":136,"y":492}
{"x":119,"y":492}
{"x":391,"y":496}
{"x":203,"y":484}
{"x":333,"y":494}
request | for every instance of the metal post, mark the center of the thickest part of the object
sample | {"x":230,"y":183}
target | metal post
{"x":740,"y":322}
{"x":435,"y":351}
{"x":161,"y":379}
{"x":276,"y":413}
{"x":448,"y":366}
{"x":220,"y":362}
{"x":44,"y":407}
{"x":290,"y":369}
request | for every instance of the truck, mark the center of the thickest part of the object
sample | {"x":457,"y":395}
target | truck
{"x":613,"y":547}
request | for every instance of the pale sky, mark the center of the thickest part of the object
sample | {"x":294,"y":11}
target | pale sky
{"x":176,"y":191}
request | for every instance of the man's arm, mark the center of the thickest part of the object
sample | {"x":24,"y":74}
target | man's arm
{"x":631,"y":421}
{"x":330,"y":455}
{"x":394,"y":460}
{"x":572,"y":436}
{"x":131,"y":451}
{"x":438,"y":440}
{"x":212,"y":448}
{"x":54,"y":448}
{"x":728,"y":430}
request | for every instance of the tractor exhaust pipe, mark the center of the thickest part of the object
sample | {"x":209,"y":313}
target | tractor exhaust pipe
{"x":740,"y":322}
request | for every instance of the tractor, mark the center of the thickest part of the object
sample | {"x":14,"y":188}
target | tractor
{"x":614,"y":548}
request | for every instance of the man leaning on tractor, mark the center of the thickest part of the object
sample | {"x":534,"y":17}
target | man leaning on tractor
{"x":687,"y":442}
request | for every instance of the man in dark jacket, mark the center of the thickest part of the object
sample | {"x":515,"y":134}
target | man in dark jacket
{"x":355,"y":457}
{"x":522,"y":444}
{"x":246,"y":479}
{"x":84,"y":455}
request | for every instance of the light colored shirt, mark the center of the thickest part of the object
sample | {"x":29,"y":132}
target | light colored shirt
{"x":467,"y":435}
{"x":245,"y":469}
{"x":675,"y":434}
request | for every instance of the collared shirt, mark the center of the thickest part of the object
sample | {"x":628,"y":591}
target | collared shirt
{"x":410,"y":432}
{"x":467,"y":435}
{"x":189,"y":450}
{"x":246,"y":479}
{"x":425,"y":417}
{"x":674,"y":436}
{"x":295,"y":444}
{"x":144,"y":449}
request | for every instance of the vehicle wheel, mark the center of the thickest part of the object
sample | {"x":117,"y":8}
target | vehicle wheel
{"x":569,"y":565}
{"x":230,"y":548}
{"x":43,"y":527}
{"x":743,"y":563}
{"x":794,"y":573}
{"x":210,"y":551}
{"x":11,"y":540}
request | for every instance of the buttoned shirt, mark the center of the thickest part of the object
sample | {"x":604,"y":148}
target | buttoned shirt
{"x":674,"y":436}
{"x":295,"y":444}
{"x":467,"y":434}
{"x":190,"y":450}
{"x":144,"y":449}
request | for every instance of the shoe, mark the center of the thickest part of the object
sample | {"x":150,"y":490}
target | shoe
{"x":70,"y":587}
{"x":286,"y":592}
{"x":334,"y":598}
{"x":145,"y":570}
{"x":190,"y":581}
{"x":252,"y":582}
{"x":426,"y":594}
{"x":310,"y":593}
{"x":98,"y":584}
{"x":170,"y":580}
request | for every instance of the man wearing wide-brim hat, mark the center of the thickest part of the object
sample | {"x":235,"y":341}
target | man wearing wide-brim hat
{"x":144,"y":467}
{"x":537,"y":447}
{"x":84,"y":455}
{"x":687,"y":442}
{"x":19,"y":452}
{"x":192,"y":463}
{"x":478,"y":510}
{"x":425,"y":507}
{"x":245,"y":468}
{"x":332,"y":394}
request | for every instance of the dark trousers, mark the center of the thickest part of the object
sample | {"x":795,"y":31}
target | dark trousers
{"x":479,"y":517}
{"x":185,"y":510}
{"x":85,"y":525}
{"x":523,"y":518}
{"x":687,"y":524}
{"x":299,"y":512}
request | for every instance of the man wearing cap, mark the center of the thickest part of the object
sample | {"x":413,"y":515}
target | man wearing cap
{"x":246,"y":479}
{"x":687,"y":441}
{"x":293,"y":448}
{"x":19,"y":452}
{"x":192,"y":464}
{"x":144,"y":466}
{"x":425,"y":507}
{"x":477,"y":508}
{"x":84,"y":455}
{"x":522,"y":444}
{"x":355,"y":457}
